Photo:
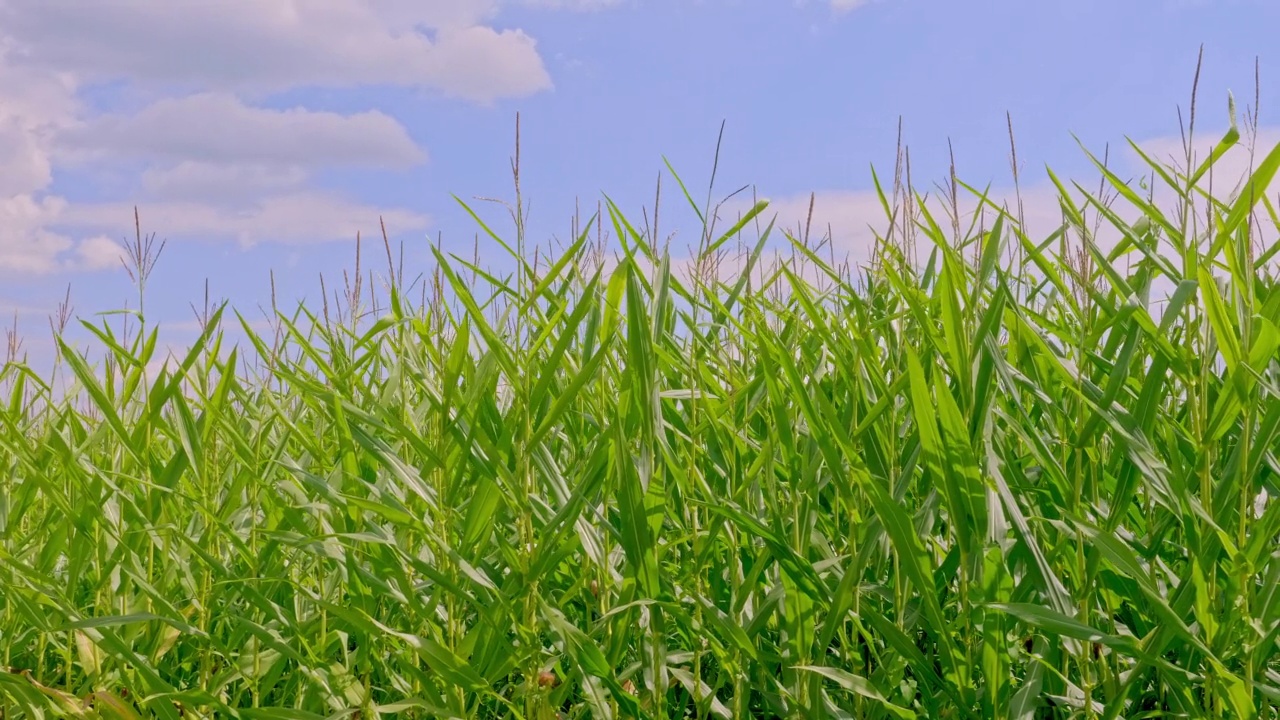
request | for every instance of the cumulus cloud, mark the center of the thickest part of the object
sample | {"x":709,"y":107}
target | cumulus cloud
{"x":266,"y":45}
{"x":28,"y":245}
{"x":851,"y":216}
{"x":844,"y":6}
{"x":220,"y":183}
{"x":218,"y":128}
{"x":25,"y":163}
{"x":100,"y":252}
{"x":578,"y":5}
{"x":210,"y":159}
{"x":293,"y":218}
{"x":34,"y":104}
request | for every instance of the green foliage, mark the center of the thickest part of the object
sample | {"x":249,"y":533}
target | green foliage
{"x":1000,"y":482}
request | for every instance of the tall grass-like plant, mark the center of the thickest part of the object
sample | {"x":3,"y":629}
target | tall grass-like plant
{"x":989,"y":475}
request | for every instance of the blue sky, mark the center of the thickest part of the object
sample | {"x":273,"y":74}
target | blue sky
{"x":262,"y":134}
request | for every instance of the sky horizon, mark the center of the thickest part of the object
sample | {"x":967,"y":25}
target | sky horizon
{"x":261,"y":135}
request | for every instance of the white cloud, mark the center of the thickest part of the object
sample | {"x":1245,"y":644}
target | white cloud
{"x":409,"y":14}
{"x":24,"y":164}
{"x":1225,"y":180}
{"x":217,"y":167}
{"x":294,"y":218}
{"x":217,"y":128}
{"x":211,"y":163}
{"x":844,"y":6}
{"x":266,"y":45}
{"x":576,"y":5}
{"x":1228,"y":172}
{"x":33,"y":105}
{"x":852,"y":216}
{"x":29,"y":246}
{"x":853,"y":219}
{"x":99,"y":253}
{"x":220,"y":184}
{"x":26,"y":244}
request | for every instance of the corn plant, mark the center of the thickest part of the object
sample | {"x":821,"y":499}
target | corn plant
{"x":986,"y":475}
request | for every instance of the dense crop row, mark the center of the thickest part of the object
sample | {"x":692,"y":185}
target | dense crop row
{"x":988,"y":476}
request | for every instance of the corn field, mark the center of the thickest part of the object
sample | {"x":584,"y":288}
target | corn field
{"x":984,"y":475}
